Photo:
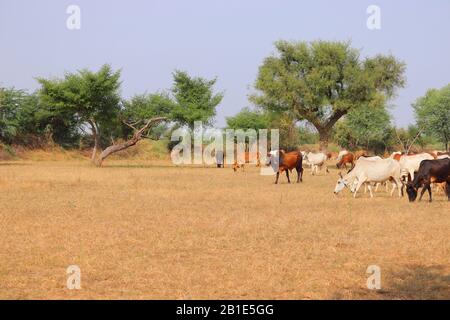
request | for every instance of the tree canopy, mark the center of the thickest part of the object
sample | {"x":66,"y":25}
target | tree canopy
{"x":432,"y":113}
{"x":194,"y":99}
{"x":322,"y":81}
{"x":365,"y":127}
{"x":248,"y":119}
{"x":93,"y":98}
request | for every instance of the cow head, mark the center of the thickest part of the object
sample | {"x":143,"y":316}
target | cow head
{"x":271,"y":156}
{"x":341,"y":184}
{"x":411,"y":191}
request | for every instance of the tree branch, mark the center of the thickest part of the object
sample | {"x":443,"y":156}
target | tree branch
{"x":137,"y":136}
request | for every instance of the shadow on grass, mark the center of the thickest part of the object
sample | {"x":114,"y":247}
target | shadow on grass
{"x":13,"y":164}
{"x":420,"y":282}
{"x":413,"y":282}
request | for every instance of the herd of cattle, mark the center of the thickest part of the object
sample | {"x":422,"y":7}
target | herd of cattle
{"x":414,"y":171}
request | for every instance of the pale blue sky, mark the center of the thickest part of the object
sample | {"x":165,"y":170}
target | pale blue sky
{"x":226,"y":39}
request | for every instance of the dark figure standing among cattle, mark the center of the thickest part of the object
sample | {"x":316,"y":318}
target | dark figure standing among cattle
{"x":286,"y":162}
{"x":220,"y":159}
{"x":430,"y":171}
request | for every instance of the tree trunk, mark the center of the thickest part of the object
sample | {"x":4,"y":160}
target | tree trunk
{"x":324,"y":137}
{"x":95,"y":135}
{"x":116,"y":148}
{"x":125,"y":145}
{"x":324,"y":128}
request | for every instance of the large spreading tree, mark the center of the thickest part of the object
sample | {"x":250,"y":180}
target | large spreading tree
{"x":93,"y":98}
{"x":433,"y":114}
{"x":322,"y":81}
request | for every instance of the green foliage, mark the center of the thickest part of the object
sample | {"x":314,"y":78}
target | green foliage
{"x":25,"y":121}
{"x":146,"y":106}
{"x":365,"y":127}
{"x":10,"y":100}
{"x":433,"y":114}
{"x":322,"y":81}
{"x":307,"y":136}
{"x":92,"y":98}
{"x":194,"y":99}
{"x":248,"y":119}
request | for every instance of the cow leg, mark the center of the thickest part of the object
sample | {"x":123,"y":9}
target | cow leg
{"x":360,"y":182}
{"x":278,"y":174}
{"x":287,"y":175}
{"x":429,"y":192}
{"x":370,"y":189}
{"x":298,"y":174}
{"x":396,"y":184}
{"x":424,"y":188}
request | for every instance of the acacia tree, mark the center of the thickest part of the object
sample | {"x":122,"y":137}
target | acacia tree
{"x":142,"y":113}
{"x":190,"y":99}
{"x":433,"y":114}
{"x":92,"y":97}
{"x":194,"y":99}
{"x":322,"y":81}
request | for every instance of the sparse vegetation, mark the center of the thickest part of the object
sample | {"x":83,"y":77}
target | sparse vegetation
{"x":210,"y":233}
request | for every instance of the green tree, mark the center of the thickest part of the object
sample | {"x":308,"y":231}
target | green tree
{"x":322,"y":81}
{"x":248,"y":119}
{"x":146,"y":106}
{"x":365,"y":127}
{"x":194,"y":99}
{"x":10,"y":101}
{"x":432,"y":113}
{"x":25,"y":121}
{"x":93,"y":98}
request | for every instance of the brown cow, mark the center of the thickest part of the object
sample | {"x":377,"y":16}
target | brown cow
{"x":332,"y":155}
{"x":346,"y":158}
{"x":286,"y":162}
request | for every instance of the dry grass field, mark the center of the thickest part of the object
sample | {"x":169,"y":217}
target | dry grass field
{"x":149,"y":230}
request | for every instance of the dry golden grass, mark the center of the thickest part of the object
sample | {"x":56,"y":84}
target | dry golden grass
{"x":149,"y":230}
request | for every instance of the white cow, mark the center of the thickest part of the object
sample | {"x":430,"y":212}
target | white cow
{"x":316,"y":161}
{"x":411,"y":163}
{"x":370,"y":172}
{"x":374,"y":158}
{"x":377,"y":184}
